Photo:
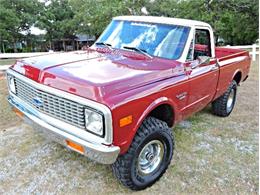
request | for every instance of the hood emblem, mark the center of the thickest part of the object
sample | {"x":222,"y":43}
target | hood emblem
{"x":37,"y":102}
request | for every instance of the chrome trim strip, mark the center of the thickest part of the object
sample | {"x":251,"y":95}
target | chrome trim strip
{"x":108,"y":139}
{"x":95,"y":151}
{"x":193,"y":103}
{"x":202,"y":70}
{"x":232,"y":60}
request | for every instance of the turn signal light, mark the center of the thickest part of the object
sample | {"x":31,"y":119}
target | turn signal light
{"x":18,"y":112}
{"x":75,"y":146}
{"x":126,"y":121}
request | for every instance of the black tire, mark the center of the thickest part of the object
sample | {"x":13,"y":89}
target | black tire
{"x":220,"y":106}
{"x":126,"y":168}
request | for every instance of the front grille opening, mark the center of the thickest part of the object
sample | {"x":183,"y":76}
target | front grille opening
{"x":58,"y":107}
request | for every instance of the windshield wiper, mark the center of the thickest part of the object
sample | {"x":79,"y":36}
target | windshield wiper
{"x":106,"y":44}
{"x":142,"y":51}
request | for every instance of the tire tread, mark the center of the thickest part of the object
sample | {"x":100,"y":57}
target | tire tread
{"x":219,"y":105}
{"x":121,"y":168}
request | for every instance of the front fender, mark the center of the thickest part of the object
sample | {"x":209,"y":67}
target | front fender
{"x":133,"y":129}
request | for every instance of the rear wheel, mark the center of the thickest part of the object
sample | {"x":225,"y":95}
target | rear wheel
{"x":148,"y":156}
{"x":224,"y":105}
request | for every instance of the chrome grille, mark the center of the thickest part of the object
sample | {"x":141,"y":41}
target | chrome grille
{"x":52,"y":105}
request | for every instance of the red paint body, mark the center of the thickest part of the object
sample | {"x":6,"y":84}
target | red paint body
{"x":132,"y":84}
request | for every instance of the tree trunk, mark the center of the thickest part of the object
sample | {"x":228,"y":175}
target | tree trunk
{"x":64,"y":45}
{"x":73,"y":45}
{"x":77,"y":45}
{"x":216,"y":39}
{"x":3,"y":46}
{"x":14,"y":46}
{"x":50,"y":48}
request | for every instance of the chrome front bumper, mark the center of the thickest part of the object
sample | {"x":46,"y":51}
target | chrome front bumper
{"x":98,"y":152}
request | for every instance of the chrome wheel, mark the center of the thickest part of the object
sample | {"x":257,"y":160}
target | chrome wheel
{"x":150,"y":157}
{"x":230,"y":100}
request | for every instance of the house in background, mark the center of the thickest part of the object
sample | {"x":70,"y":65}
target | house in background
{"x":72,"y":43}
{"x":34,"y":41}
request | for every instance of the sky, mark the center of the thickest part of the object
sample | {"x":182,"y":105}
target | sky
{"x":34,"y":31}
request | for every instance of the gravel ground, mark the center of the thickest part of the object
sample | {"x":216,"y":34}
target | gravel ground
{"x":213,"y":155}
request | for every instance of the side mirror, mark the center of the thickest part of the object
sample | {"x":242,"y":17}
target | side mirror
{"x":194,"y":64}
{"x":201,"y":60}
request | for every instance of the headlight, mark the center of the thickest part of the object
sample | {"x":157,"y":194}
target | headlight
{"x":94,"y":122}
{"x":11,"y":84}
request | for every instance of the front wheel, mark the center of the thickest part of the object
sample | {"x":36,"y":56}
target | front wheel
{"x":148,"y":156}
{"x":224,"y":105}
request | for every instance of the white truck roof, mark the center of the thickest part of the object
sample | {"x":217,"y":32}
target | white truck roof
{"x":163,"y":20}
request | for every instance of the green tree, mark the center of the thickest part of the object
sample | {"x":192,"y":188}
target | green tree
{"x":234,"y":20}
{"x":17,"y":16}
{"x":92,"y":17}
{"x":57,"y":19}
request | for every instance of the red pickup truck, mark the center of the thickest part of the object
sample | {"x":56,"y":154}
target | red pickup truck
{"x":117,"y":101}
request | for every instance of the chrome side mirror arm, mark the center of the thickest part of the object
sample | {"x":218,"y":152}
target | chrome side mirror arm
{"x":201,"y":60}
{"x":194,"y":64}
{"x":204,"y":60}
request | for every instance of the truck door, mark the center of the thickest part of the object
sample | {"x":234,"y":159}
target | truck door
{"x":204,"y":71}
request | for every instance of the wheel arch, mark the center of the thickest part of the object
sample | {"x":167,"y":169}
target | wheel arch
{"x":237,"y":76}
{"x":159,"y":106}
{"x":162,"y":101}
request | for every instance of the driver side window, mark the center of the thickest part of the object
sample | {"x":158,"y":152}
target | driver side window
{"x":202,"y":43}
{"x":201,"y":46}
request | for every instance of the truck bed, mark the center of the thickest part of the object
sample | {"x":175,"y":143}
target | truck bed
{"x":232,"y":62}
{"x":223,"y":52}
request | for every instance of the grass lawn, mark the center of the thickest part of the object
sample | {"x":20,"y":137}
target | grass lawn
{"x":7,"y":61}
{"x":213,"y":155}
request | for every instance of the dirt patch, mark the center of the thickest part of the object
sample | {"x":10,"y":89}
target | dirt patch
{"x":213,"y":155}
{"x":2,"y":75}
{"x":7,"y":117}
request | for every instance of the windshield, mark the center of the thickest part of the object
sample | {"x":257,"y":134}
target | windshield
{"x":160,"y":40}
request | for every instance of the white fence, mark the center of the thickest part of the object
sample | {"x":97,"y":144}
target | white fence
{"x":22,"y":55}
{"x":254,"y":48}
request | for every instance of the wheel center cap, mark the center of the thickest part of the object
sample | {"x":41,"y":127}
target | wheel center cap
{"x":150,"y":156}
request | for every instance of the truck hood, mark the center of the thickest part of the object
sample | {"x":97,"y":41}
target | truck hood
{"x":96,"y":75}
